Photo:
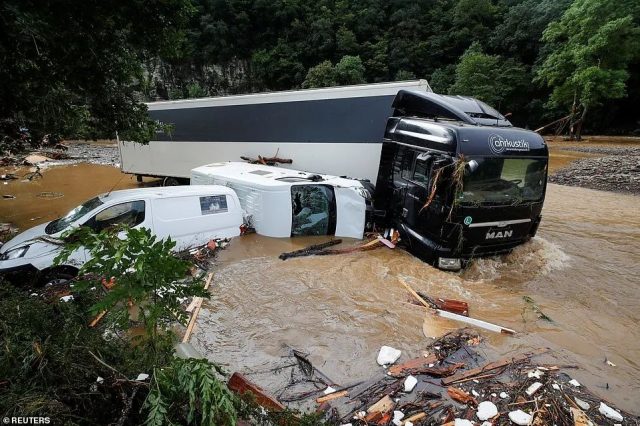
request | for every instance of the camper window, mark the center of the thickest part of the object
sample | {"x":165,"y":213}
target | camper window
{"x":129,"y":214}
{"x":313,"y":210}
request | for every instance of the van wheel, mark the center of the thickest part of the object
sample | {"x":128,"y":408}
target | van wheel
{"x":170,"y":181}
{"x":58,"y":277}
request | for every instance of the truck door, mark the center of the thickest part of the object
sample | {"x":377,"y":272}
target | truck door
{"x":417,"y":191}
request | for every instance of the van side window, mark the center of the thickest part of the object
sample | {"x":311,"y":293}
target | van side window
{"x":313,"y":210}
{"x":129,"y":214}
{"x":213,"y":204}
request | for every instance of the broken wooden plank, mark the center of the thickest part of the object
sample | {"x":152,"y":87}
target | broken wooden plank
{"x":461,"y":396}
{"x":332,"y":396}
{"x":241,"y":385}
{"x":384,"y":405}
{"x":197,"y":301}
{"x":97,"y":319}
{"x":412,"y":365}
{"x":196,"y":311}
{"x":450,"y":315}
{"x":415,"y":418}
{"x":491,"y":366}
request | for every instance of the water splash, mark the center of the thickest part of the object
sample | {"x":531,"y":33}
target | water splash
{"x":537,"y":257}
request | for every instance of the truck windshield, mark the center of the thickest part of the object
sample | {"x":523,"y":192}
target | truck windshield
{"x":503,"y":180}
{"x":75,"y":214}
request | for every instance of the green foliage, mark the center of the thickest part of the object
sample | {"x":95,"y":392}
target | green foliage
{"x":190,"y":383}
{"x":590,"y":50}
{"x":45,"y":364}
{"x":145,"y":271}
{"x":71,"y":67}
{"x":349,"y":70}
{"x":490,"y":78}
{"x":322,"y":75}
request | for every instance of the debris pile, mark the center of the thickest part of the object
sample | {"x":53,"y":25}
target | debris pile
{"x":202,"y":255}
{"x":451,"y":384}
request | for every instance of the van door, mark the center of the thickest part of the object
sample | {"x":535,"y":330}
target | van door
{"x":130,"y":213}
{"x":313,"y":210}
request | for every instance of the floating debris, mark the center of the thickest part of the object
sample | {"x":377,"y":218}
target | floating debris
{"x":388,"y":355}
{"x":519,"y":417}
{"x":486,"y":410}
{"x":610,"y":413}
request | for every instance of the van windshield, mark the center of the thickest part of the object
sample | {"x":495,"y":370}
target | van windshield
{"x":75,"y":214}
{"x":503,"y":180}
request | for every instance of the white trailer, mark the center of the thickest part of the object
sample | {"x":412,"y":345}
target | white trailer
{"x":336,"y":130}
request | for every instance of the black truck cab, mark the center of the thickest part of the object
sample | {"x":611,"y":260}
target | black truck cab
{"x":458,"y":180}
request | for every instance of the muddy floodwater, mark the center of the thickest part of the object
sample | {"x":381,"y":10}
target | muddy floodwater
{"x":582,"y":271}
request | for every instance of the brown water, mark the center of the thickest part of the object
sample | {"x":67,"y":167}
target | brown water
{"x":583,"y":271}
{"x":58,"y":191}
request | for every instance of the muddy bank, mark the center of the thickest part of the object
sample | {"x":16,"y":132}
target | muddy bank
{"x":608,"y":168}
{"x":619,"y":173}
{"x":104,"y":153}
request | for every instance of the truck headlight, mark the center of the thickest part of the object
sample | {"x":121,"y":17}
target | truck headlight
{"x":14,"y":253}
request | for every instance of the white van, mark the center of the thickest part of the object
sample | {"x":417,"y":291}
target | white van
{"x":286,"y":203}
{"x":190,"y":215}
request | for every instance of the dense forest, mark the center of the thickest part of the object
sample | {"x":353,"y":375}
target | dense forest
{"x":80,"y":68}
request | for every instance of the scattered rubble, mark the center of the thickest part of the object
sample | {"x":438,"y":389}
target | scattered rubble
{"x":75,"y":152}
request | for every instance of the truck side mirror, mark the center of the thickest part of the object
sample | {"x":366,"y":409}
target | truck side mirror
{"x":470,"y":167}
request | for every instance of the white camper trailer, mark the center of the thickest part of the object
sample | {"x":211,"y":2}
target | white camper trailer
{"x":335,"y":130}
{"x":281,"y":202}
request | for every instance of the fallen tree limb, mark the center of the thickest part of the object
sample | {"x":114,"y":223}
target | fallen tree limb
{"x":491,"y":366}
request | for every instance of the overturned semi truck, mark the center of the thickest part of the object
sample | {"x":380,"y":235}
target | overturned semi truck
{"x":451,"y":173}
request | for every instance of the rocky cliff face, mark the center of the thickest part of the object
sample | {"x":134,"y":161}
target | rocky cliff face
{"x":164,"y":80}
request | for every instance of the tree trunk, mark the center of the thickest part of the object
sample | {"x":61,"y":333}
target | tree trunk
{"x":580,"y":123}
{"x":572,"y":121}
